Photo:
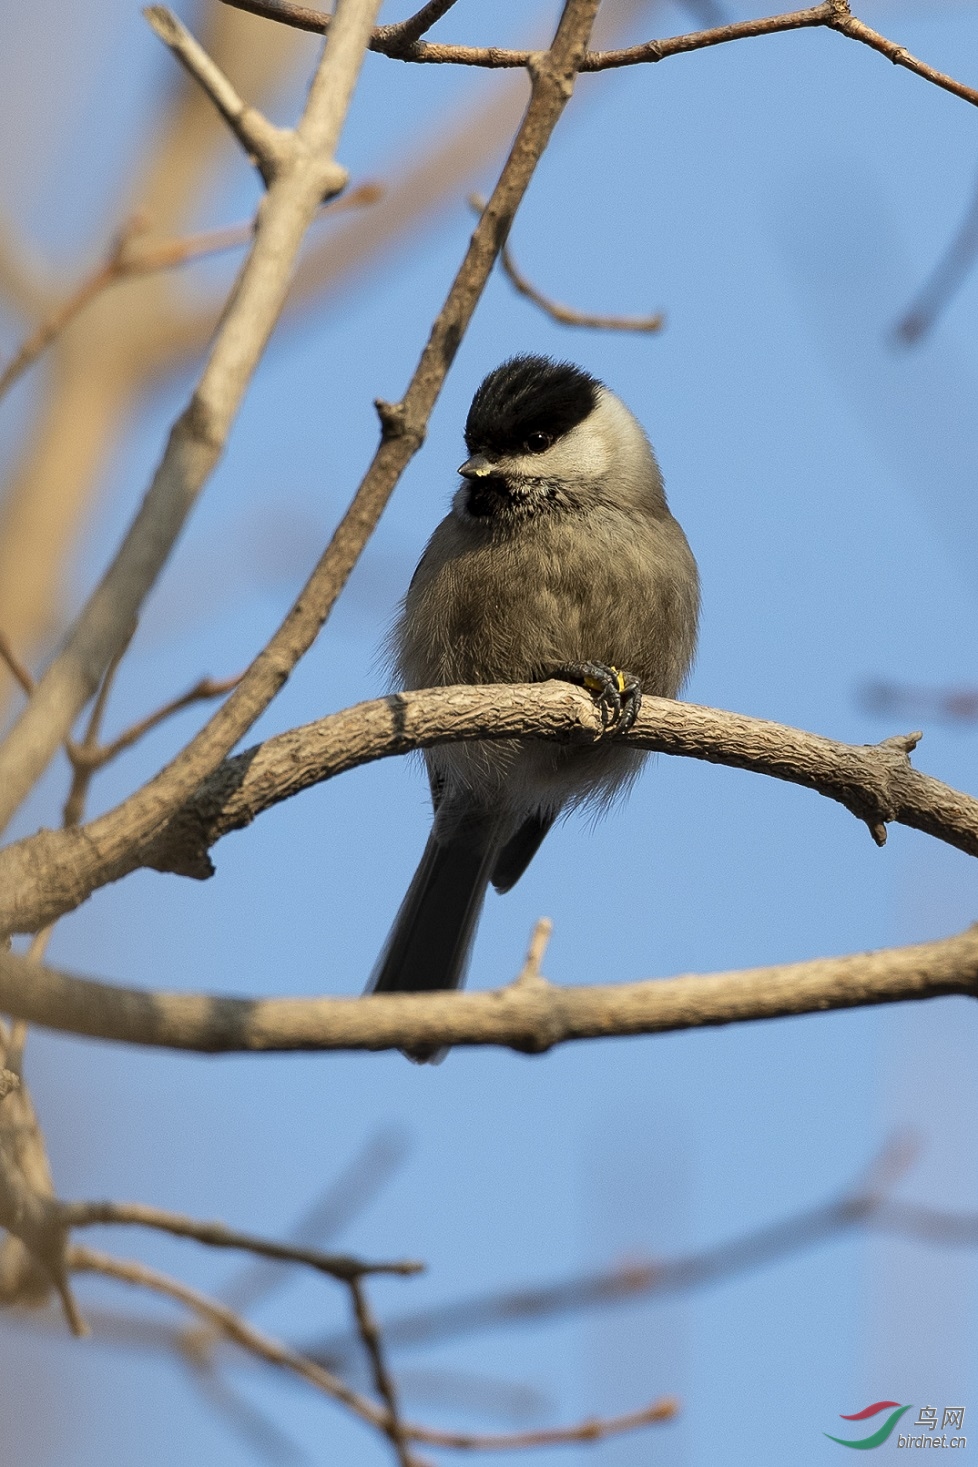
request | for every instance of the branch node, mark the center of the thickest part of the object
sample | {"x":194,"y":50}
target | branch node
{"x":877,"y":830}
{"x":903,"y":743}
{"x":268,"y":147}
{"x":393,"y":419}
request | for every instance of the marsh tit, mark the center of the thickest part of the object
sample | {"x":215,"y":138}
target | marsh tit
{"x":559,"y":559}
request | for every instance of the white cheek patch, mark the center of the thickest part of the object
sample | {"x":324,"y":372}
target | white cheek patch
{"x":583,"y":453}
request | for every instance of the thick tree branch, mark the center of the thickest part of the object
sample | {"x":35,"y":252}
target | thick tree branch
{"x":309,"y":174}
{"x":531,"y":1017}
{"x":52,"y":872}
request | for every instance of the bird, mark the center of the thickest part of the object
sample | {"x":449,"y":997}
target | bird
{"x":559,"y":558}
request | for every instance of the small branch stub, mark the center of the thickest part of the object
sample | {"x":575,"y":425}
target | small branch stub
{"x":539,"y":940}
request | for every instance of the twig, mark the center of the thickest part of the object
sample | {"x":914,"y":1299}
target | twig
{"x":87,"y":1260}
{"x":345,"y":1198}
{"x":231,"y":1324}
{"x":83,"y":756}
{"x":539,"y":940}
{"x":412,"y":29}
{"x":531,"y":1018}
{"x":862,"y":1204}
{"x":856,"y":30}
{"x":92,"y":755}
{"x":947,"y":278}
{"x":15,"y":667}
{"x":832,"y":13}
{"x":130,"y":256}
{"x":306,"y":172}
{"x":383,"y":1380}
{"x":594,"y":1429}
{"x":216,"y":1235}
{"x":269,"y":147}
{"x":567,"y":315}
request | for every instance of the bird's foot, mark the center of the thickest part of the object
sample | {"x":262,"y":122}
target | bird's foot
{"x":618,"y":694}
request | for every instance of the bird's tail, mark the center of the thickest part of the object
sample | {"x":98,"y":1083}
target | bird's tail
{"x":429,"y":943}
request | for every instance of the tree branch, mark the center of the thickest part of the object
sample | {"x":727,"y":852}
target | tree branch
{"x":130,"y":256}
{"x":134,"y":824}
{"x":863,"y":1204}
{"x":197,"y":439}
{"x":217,"y":1235}
{"x":87,"y":1260}
{"x":383,"y":1379}
{"x":229,"y":1322}
{"x":269,"y":147}
{"x":52,"y":872}
{"x":566,"y":315}
{"x":530,"y":1017}
{"x":832,"y":13}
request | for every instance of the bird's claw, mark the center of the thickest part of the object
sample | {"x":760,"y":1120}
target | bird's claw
{"x":617,"y":694}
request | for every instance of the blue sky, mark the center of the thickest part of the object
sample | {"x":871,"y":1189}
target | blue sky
{"x":781,"y":200}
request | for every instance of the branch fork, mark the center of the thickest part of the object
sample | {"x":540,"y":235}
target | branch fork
{"x":270,"y":148}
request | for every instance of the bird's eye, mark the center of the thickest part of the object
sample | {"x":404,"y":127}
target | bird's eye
{"x":538,"y":443}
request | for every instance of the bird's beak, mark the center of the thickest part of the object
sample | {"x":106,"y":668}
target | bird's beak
{"x":476,"y":467}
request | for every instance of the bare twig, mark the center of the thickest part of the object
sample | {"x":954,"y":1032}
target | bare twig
{"x":231,"y":1324}
{"x":832,"y":13}
{"x":529,"y":1017}
{"x":567,"y":315}
{"x":87,"y":1260}
{"x":594,"y":1429}
{"x":32,"y":347}
{"x":412,"y":29}
{"x":856,"y":30}
{"x":93,"y":755}
{"x":83,"y":756}
{"x":28,"y":1207}
{"x":131,"y":256}
{"x":539,"y":940}
{"x":305,"y":173}
{"x":383,"y":1380}
{"x":345,"y":1198}
{"x":269,"y":147}
{"x":17,"y":669}
{"x":948,"y":276}
{"x":216,"y":1235}
{"x":863,"y":1204}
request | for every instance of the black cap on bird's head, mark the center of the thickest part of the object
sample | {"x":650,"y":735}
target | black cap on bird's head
{"x":528,"y":403}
